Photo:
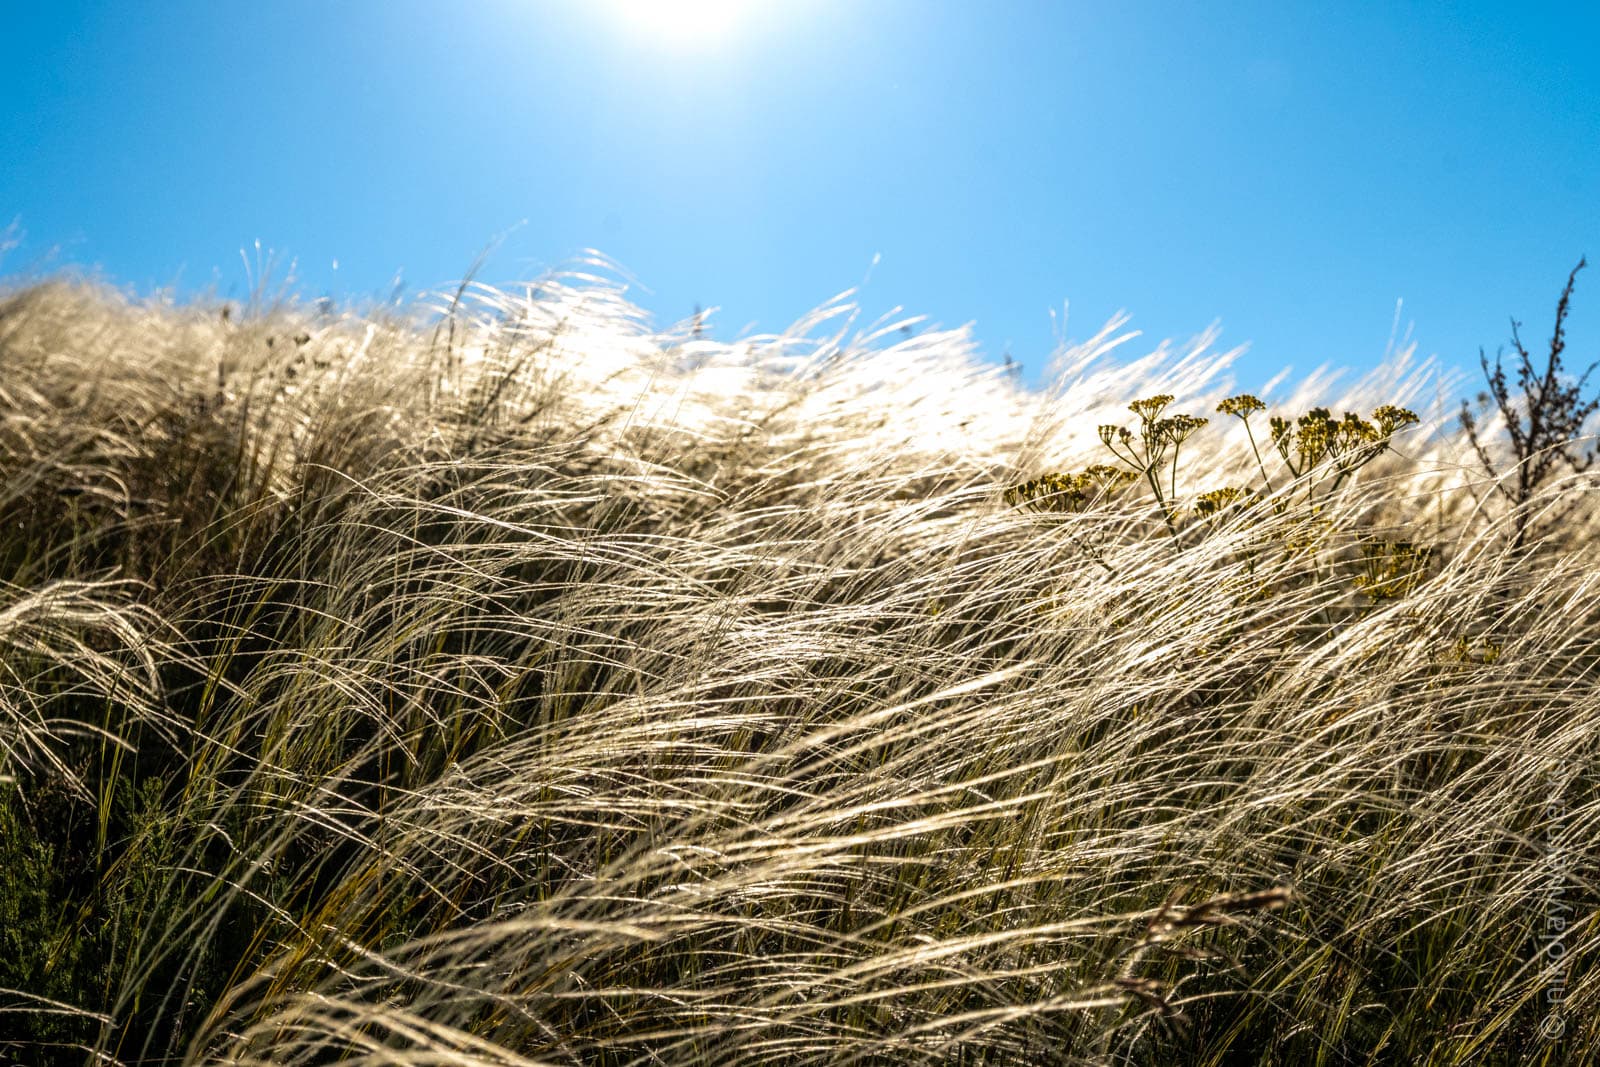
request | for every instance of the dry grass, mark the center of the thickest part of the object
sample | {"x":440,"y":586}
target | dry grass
{"x":508,"y":684}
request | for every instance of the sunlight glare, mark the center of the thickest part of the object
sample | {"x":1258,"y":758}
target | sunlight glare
{"x":681,"y":21}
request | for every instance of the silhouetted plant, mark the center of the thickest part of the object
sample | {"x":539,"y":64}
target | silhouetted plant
{"x":1544,"y":416}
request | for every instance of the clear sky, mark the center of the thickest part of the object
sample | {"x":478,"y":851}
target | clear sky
{"x":1288,"y":169}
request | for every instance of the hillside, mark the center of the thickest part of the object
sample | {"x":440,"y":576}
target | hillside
{"x":501,"y":682}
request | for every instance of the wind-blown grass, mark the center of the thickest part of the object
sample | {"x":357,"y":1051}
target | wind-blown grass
{"x":508,"y":684}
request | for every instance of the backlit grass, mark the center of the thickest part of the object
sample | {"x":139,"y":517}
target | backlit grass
{"x":500,"y":682}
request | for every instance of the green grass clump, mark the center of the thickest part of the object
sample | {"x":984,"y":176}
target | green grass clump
{"x":505,"y":683}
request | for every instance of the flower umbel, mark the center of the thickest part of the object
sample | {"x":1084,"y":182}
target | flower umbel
{"x":1209,"y":505}
{"x":1242,"y":405}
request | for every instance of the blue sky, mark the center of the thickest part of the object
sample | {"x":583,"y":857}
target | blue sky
{"x":1288,"y":169}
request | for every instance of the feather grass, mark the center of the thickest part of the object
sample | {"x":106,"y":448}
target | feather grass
{"x":504,"y":683}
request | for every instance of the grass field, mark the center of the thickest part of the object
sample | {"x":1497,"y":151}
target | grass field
{"x":499,"y":682}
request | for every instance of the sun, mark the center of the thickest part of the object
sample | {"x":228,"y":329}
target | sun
{"x":682,"y":22}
